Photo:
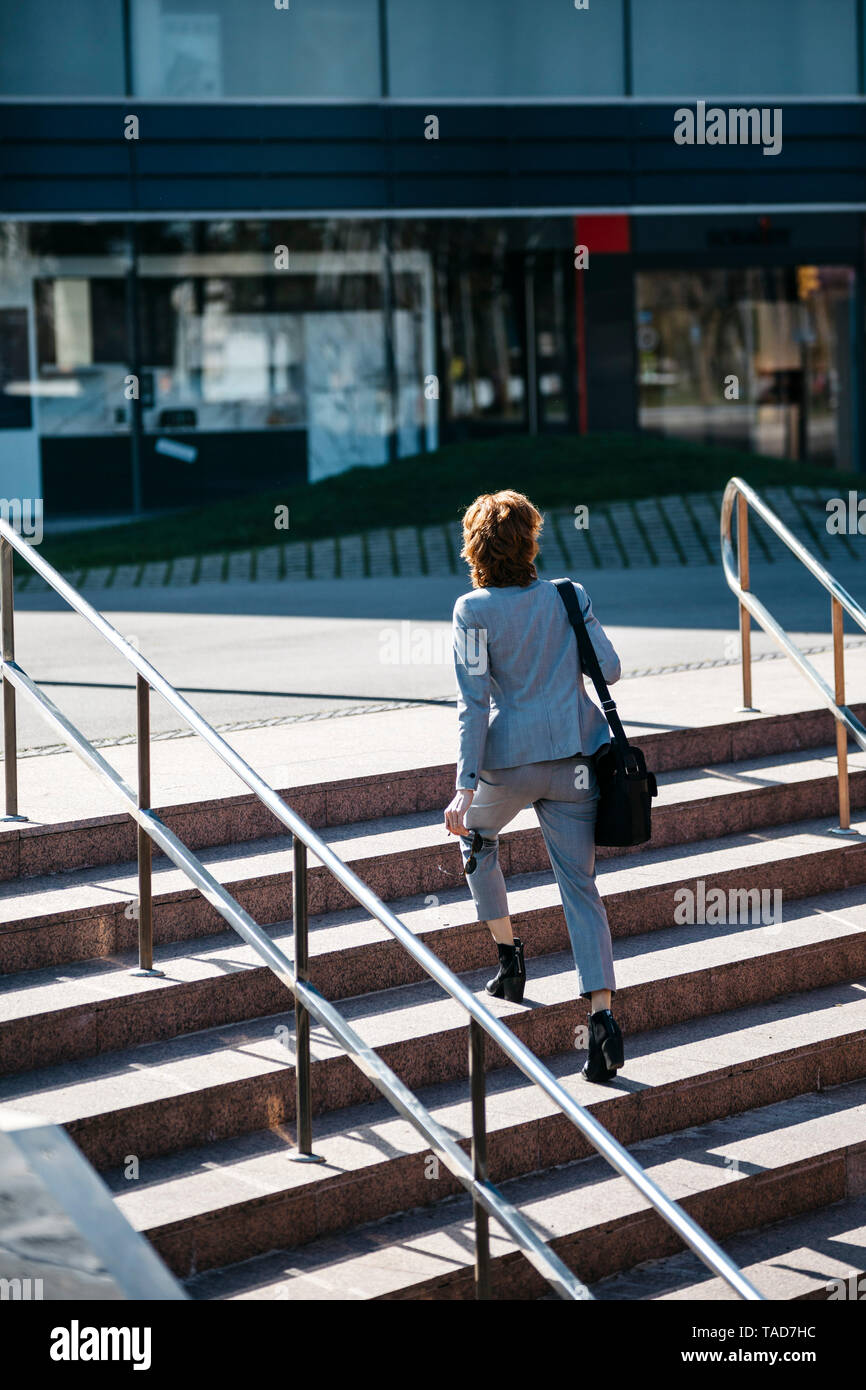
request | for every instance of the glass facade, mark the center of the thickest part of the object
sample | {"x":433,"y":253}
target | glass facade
{"x":212,"y":356}
{"x":501,"y":48}
{"x":72,"y":50}
{"x":742,"y":48}
{"x":269,"y":350}
{"x":758,"y":359}
{"x":202,"y":50}
{"x":237,"y":353}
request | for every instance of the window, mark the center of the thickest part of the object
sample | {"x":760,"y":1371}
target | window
{"x":700,"y":48}
{"x":201,"y":50}
{"x":503,"y":48}
{"x":74,"y":49}
{"x":757,"y":359}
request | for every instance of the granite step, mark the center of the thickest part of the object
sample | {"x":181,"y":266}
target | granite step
{"x":230,"y":1080}
{"x":729,"y":1174}
{"x":57,"y":918}
{"x":100,"y":1005}
{"x":50,"y":846}
{"x":816,"y":1256}
{"x":235,"y":1198}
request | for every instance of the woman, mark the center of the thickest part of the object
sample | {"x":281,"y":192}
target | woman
{"x":527,"y":733}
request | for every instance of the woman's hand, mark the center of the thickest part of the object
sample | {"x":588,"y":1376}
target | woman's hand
{"x":455,"y":812}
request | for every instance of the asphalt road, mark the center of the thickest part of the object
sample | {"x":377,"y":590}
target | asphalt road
{"x":254,"y":651}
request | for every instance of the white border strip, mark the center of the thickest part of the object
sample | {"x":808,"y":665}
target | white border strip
{"x":481,"y":102}
{"x":242,"y":214}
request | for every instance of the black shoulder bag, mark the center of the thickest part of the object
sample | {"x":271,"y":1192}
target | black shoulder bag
{"x":626,"y":787}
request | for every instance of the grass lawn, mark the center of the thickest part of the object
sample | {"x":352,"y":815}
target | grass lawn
{"x":554,"y":470}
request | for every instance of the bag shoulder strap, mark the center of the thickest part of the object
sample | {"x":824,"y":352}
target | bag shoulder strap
{"x":589,"y":660}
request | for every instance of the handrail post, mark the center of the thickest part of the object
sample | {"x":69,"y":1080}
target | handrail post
{"x":844,"y":827}
{"x":10,"y":731}
{"x":479,"y":1158}
{"x":145,"y":844}
{"x":745,"y":617}
{"x":303,"y":1090}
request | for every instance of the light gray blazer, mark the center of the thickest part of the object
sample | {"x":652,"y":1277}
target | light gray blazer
{"x":521,"y":694}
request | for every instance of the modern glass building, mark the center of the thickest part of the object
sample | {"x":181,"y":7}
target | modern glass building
{"x":246,"y":243}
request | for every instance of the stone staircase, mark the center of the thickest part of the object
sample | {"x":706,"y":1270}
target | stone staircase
{"x":743,"y":1094}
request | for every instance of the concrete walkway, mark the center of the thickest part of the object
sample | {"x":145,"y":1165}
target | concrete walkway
{"x":55,"y":788}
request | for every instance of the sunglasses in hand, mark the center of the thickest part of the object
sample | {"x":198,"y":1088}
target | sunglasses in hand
{"x":475,"y":841}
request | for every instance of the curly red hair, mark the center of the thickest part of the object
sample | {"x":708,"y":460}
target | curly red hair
{"x":500,"y":539}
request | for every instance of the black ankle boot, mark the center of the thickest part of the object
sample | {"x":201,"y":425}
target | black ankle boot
{"x":606,"y":1054}
{"x":510,"y":979}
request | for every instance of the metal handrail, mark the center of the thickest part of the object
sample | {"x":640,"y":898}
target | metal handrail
{"x":471,"y":1172}
{"x":738,"y":581}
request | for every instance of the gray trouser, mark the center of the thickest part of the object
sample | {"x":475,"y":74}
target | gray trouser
{"x":565,"y":794}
